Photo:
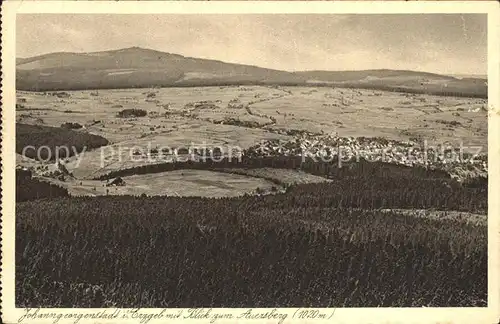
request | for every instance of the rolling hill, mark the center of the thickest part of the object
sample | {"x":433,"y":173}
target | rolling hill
{"x":138,"y":67}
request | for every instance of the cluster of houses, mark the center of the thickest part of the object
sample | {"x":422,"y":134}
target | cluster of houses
{"x":409,"y":153}
{"x":56,"y":171}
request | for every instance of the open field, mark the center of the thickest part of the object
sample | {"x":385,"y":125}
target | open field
{"x":398,"y":116}
{"x":350,"y":112}
{"x":172,"y":183}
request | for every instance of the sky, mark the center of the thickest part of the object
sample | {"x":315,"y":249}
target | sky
{"x":439,"y":43}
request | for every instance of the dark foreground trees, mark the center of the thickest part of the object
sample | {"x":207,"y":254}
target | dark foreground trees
{"x":310,"y":246}
{"x":29,"y":188}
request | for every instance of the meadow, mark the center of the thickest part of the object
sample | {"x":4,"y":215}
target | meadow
{"x":183,"y":182}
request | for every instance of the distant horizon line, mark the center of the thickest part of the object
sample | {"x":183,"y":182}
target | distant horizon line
{"x":476,"y":75}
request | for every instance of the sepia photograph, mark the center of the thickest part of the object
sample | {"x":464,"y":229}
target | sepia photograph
{"x":250,"y":160}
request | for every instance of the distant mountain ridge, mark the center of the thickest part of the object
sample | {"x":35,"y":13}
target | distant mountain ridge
{"x":136,"y":67}
{"x":470,"y":76}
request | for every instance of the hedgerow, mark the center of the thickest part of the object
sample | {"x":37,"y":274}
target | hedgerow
{"x":128,"y":113}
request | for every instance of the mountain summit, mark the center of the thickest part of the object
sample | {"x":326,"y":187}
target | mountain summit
{"x":135,"y":67}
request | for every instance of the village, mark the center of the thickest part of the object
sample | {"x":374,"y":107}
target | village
{"x":325,"y":148}
{"x":461,"y":162}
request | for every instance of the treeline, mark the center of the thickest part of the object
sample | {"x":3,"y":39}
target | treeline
{"x":132,"y":112}
{"x":285,"y":250}
{"x":69,"y":125}
{"x":28,"y":188}
{"x":363,"y":184}
{"x":393,"y":192}
{"x":481,"y":92}
{"x":476,"y":182}
{"x":358,"y":185}
{"x":368,"y":185}
{"x":317,"y":167}
{"x":476,"y":92}
{"x":48,"y":143}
